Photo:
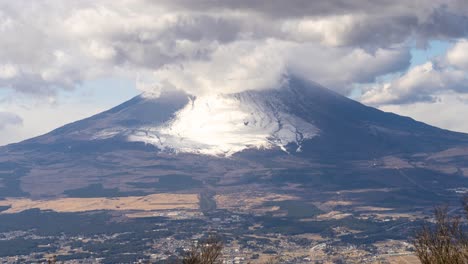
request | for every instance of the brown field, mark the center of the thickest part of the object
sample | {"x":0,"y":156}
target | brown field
{"x":311,"y":236}
{"x":465,"y":171}
{"x":365,"y":190}
{"x":162,"y":201}
{"x":250,"y":202}
{"x":333,"y":215}
{"x":408,"y":259}
{"x":372,"y":208}
{"x":173,"y":214}
{"x":395,"y":162}
{"x":337,"y":203}
{"x":449,"y":153}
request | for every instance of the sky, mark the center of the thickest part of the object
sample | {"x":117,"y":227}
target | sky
{"x":61,"y":61}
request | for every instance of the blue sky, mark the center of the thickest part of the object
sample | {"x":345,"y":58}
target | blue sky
{"x":434,"y":49}
{"x":105,"y":91}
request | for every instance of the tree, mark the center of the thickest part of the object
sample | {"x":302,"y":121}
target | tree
{"x":208,"y":251}
{"x":52,"y":260}
{"x":444,"y":242}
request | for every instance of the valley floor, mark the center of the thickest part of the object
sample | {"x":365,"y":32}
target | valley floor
{"x":255,"y":227}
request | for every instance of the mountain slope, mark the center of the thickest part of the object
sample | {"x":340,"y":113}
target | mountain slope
{"x":253,"y":137}
{"x":299,"y":117}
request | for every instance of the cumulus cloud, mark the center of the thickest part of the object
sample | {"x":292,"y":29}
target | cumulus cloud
{"x":425,"y":82}
{"x":422,"y":83}
{"x":457,"y":56}
{"x":447,"y":21}
{"x":279,"y":9}
{"x":8,"y":71}
{"x":231,"y":68}
{"x":359,"y":22}
{"x":9,"y":119}
{"x":229,"y":46}
{"x":214,"y":45}
{"x":340,"y":68}
{"x":359,"y":30}
{"x":245,"y":65}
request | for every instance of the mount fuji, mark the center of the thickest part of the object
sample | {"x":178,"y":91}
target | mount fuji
{"x":299,"y":133}
{"x":296,"y":114}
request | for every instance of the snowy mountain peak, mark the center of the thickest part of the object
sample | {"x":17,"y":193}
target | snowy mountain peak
{"x":226,"y":124}
{"x":220,"y":124}
{"x":299,"y":117}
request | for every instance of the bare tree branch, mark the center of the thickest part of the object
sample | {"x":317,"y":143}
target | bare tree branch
{"x":445,"y":241}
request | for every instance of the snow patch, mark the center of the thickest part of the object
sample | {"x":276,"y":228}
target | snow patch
{"x":226,"y":124}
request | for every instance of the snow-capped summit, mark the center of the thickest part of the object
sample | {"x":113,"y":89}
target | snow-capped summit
{"x":298,"y":117}
{"x":225,"y":124}
{"x":221,"y":124}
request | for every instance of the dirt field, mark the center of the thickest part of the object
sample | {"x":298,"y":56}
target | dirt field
{"x":333,"y":215}
{"x":409,"y":259}
{"x":143,"y":203}
{"x":372,"y":208}
{"x":250,"y":202}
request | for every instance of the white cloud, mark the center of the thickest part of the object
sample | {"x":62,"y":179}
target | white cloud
{"x":55,"y":44}
{"x":9,"y":119}
{"x":446,"y":112}
{"x":8,"y":71}
{"x":435,"y":92}
{"x":231,"y":68}
{"x":421,"y":83}
{"x":458,"y":55}
{"x":340,"y":68}
{"x":246,"y":65}
{"x":328,"y":30}
{"x":100,"y":51}
{"x":355,"y":29}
